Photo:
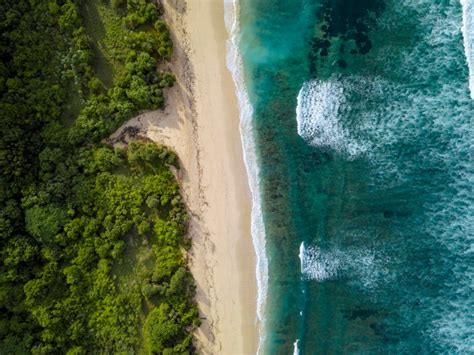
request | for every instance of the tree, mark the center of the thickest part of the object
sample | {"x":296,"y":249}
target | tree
{"x":161,"y":329}
{"x":45,"y":222}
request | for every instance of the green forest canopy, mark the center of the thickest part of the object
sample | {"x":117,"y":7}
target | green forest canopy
{"x":92,"y":237}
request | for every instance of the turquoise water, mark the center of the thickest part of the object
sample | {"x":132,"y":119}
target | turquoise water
{"x":363,"y":126}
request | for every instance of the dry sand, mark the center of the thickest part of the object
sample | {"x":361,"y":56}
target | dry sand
{"x":201,"y":123}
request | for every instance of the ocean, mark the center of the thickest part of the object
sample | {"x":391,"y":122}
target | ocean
{"x":357,"y":124}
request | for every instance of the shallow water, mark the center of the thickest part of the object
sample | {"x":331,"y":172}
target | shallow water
{"x":362,"y":123}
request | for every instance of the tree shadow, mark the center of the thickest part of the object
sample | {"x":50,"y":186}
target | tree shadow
{"x":95,"y":29}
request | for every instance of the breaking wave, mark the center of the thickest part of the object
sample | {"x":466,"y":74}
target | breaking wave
{"x":414,"y":123}
{"x":468,"y":34}
{"x":296,"y":349}
{"x":317,"y":113}
{"x":361,"y":267}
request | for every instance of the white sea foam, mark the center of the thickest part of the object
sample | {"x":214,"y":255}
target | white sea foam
{"x":316,"y":265}
{"x":403,"y":115}
{"x":406,"y":113}
{"x":296,"y":349}
{"x":468,"y":34}
{"x":317,"y":115}
{"x":234,"y":64}
{"x":360,"y":266}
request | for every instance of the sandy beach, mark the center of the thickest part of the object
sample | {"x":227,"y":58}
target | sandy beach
{"x":201,"y":123}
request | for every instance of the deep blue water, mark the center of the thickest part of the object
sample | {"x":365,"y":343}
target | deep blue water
{"x":363,"y":125}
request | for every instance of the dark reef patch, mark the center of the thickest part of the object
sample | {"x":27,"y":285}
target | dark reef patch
{"x":342,"y":31}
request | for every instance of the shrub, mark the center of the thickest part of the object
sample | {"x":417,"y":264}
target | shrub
{"x":45,"y":222}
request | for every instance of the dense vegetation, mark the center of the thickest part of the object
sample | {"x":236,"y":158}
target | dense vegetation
{"x":92,"y":237}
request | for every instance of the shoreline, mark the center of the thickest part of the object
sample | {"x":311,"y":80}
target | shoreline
{"x":235,"y":66}
{"x":201,"y":124}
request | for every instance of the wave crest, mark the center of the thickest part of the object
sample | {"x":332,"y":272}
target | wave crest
{"x":362,"y":267}
{"x":317,"y":113}
{"x":468,"y":35}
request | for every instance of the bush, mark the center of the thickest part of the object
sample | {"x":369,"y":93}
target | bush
{"x":45,"y":222}
{"x":162,"y":330}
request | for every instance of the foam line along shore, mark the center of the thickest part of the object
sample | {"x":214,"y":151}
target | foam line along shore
{"x":234,"y":64}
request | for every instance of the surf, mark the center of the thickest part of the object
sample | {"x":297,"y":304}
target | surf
{"x":235,"y":66}
{"x":468,"y":35}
